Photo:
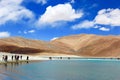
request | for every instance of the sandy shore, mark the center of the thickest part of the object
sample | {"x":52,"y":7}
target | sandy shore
{"x":47,"y":56}
{"x":24,"y":57}
{"x":37,"y":57}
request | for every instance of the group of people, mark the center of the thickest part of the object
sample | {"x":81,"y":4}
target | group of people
{"x":58,"y":58}
{"x":13,"y":57}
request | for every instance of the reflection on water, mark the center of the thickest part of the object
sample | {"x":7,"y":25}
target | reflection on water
{"x":61,"y":70}
{"x":11,"y":65}
{"x":6,"y":69}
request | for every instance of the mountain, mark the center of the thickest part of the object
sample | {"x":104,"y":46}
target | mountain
{"x":90,"y":45}
{"x":26,"y":46}
{"x":85,"y":45}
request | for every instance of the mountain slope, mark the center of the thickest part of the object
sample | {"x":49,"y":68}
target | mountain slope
{"x":86,"y":45}
{"x":25,"y":46}
{"x":92,"y":45}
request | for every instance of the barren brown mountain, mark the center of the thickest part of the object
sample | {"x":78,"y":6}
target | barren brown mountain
{"x":26,"y":46}
{"x":85,"y":45}
{"x":89,"y":45}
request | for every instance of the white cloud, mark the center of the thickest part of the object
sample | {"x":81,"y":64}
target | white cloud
{"x":108,"y":17}
{"x":60,"y":12}
{"x":41,"y":1}
{"x":72,"y":1}
{"x":11,"y":10}
{"x":104,"y":29}
{"x":84,"y":24}
{"x":4,"y":34}
{"x":105,"y":17}
{"x":96,"y":26}
{"x":26,"y":32}
{"x":54,"y":38}
{"x":31,"y":31}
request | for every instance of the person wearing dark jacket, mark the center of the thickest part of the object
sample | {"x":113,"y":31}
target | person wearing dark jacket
{"x":6,"y":58}
{"x":27,"y":58}
{"x":12,"y":57}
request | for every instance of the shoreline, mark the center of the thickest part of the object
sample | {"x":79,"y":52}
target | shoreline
{"x":85,"y":59}
{"x":24,"y":58}
{"x":37,"y":58}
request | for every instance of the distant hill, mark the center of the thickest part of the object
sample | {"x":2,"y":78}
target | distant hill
{"x":86,"y":45}
{"x":89,"y":45}
{"x":26,"y":46}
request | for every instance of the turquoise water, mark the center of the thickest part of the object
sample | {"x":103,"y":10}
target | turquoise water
{"x":62,"y":70}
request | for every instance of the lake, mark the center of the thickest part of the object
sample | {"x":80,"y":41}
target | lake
{"x":62,"y":70}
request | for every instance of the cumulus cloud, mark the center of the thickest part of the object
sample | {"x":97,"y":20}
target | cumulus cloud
{"x":60,"y":12}
{"x":108,"y":17}
{"x":104,"y":29}
{"x":11,"y":10}
{"x":84,"y":24}
{"x":4,"y":34}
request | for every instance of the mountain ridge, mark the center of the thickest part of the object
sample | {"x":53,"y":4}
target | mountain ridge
{"x":85,"y":45}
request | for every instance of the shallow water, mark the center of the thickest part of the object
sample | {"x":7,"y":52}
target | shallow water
{"x":62,"y":70}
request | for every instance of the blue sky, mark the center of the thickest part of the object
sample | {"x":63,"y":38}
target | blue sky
{"x":48,"y":19}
